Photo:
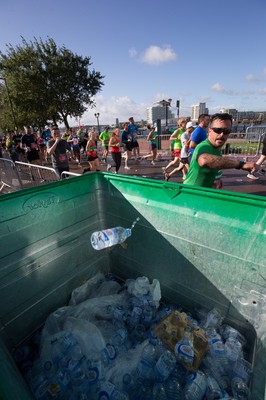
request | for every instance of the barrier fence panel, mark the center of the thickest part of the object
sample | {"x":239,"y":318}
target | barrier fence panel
{"x":35,"y":175}
{"x":10,"y":179}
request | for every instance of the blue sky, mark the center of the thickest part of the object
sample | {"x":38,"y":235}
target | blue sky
{"x":193,"y":51}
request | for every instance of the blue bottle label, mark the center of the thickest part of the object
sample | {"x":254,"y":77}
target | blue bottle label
{"x":185,"y":351}
{"x":93,"y":374}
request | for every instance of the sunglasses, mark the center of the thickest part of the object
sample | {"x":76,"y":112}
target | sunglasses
{"x":225,"y":131}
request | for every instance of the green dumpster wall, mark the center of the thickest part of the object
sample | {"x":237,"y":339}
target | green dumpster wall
{"x":201,"y":244}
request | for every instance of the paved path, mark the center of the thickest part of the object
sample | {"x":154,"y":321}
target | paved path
{"x":234,"y":180}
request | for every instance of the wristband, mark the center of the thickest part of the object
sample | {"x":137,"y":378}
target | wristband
{"x":241,"y":164}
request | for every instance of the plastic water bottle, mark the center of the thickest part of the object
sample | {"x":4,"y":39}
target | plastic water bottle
{"x":243,"y":369}
{"x":38,"y":382}
{"x":227,"y":331}
{"x":164,"y":366}
{"x":233,"y":349}
{"x":145,"y":390}
{"x":145,"y":367}
{"x":110,"y":391}
{"x":213,"y":319}
{"x":110,"y":237}
{"x":173,"y":389}
{"x":147,"y":315}
{"x":129,"y":385}
{"x":184,"y":349}
{"x":240,"y":389}
{"x":195,"y":386}
{"x":159,"y":392}
{"x":79,"y":384}
{"x":213,"y":390}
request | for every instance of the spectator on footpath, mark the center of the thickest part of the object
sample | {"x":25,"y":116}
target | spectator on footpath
{"x":207,"y":158}
{"x":105,"y":138}
{"x":133,"y":130}
{"x":92,"y":153}
{"x":260,"y":162}
{"x":200,"y":133}
{"x":152,"y":139}
{"x":115,"y":145}
{"x":184,"y":160}
{"x":57,"y":149}
{"x":29,"y":142}
{"x":127,"y":141}
{"x":177,"y":145}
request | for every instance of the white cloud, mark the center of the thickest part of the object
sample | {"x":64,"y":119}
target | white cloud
{"x":155,"y":55}
{"x":262,"y":91}
{"x":111,"y":108}
{"x":217,"y":87}
{"x":251,"y":78}
{"x":132,"y":52}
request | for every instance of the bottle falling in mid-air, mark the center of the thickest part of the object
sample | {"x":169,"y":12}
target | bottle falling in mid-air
{"x":109,"y":237}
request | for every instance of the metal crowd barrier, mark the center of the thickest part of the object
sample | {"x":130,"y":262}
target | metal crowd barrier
{"x":68,"y":174}
{"x":35,"y":175}
{"x":9,"y":177}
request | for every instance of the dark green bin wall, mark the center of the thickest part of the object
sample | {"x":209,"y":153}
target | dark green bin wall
{"x":199,"y":243}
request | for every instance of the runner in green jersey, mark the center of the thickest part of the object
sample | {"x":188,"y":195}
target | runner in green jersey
{"x":207,"y":160}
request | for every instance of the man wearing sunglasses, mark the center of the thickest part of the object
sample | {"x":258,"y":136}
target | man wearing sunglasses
{"x":207,"y":160}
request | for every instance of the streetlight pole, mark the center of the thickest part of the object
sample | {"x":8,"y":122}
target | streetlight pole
{"x":177,"y":106}
{"x":97,"y":115}
{"x":10,"y":102}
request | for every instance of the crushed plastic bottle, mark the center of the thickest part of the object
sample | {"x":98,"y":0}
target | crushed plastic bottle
{"x":110,"y":237}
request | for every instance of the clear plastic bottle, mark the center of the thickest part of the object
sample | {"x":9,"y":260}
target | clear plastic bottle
{"x":110,"y":391}
{"x":233,"y":349}
{"x":110,"y":237}
{"x":213,"y":319}
{"x":213,"y":390}
{"x":195,"y":386}
{"x":240,"y":389}
{"x":173,"y":389}
{"x":145,"y":367}
{"x":184,"y":349}
{"x":227,"y":331}
{"x":243,"y":369}
{"x":164,"y":366}
{"x":159,"y":392}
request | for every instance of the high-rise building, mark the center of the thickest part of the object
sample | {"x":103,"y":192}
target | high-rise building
{"x":197,"y":110}
{"x":160,"y":112}
{"x":231,"y":111}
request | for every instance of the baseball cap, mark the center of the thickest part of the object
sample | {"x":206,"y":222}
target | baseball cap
{"x":190,"y":124}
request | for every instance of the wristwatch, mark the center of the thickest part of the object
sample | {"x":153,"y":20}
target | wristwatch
{"x":241,"y":164}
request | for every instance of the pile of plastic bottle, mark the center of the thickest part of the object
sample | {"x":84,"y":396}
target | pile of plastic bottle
{"x":102,"y":346}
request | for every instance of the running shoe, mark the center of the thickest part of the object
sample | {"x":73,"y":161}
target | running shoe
{"x":127,"y":167}
{"x":253,"y":177}
{"x":152,"y":163}
{"x":166,"y":176}
{"x":109,"y":166}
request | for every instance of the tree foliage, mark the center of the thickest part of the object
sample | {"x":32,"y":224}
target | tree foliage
{"x":42,"y":82}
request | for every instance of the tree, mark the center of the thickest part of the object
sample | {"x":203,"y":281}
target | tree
{"x":46,"y":83}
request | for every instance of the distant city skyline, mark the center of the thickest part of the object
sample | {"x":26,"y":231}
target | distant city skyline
{"x":186,"y":51}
